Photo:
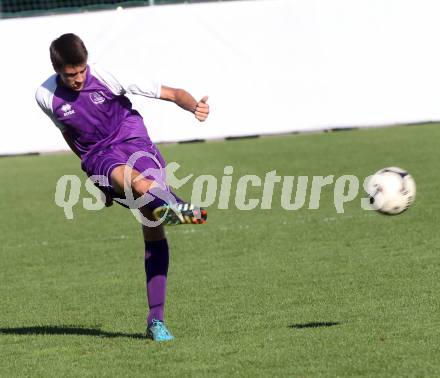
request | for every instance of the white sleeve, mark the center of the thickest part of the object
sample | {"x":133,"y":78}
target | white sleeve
{"x":44,"y":97}
{"x":148,"y":88}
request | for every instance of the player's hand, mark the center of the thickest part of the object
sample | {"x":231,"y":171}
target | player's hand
{"x":202,"y":109}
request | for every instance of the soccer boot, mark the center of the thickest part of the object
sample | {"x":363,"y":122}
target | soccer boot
{"x":158,"y":332}
{"x":180,"y":213}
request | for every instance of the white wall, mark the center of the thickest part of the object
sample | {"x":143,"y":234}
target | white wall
{"x":268,"y":66}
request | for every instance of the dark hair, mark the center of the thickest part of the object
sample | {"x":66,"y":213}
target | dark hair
{"x":67,"y":49}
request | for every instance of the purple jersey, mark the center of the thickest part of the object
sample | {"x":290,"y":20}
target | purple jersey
{"x":97,"y":116}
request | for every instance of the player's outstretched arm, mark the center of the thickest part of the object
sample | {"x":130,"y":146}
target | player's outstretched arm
{"x":182,"y":98}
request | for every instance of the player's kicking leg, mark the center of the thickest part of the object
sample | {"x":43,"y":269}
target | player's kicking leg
{"x":164,"y":205}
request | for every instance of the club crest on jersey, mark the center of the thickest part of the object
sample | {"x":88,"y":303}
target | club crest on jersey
{"x":67,"y":110}
{"x":97,"y":97}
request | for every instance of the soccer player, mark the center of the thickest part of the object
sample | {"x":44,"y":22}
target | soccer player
{"x":96,"y":119}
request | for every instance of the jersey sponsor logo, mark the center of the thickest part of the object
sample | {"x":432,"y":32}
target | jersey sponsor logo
{"x":97,"y":97}
{"x":67,"y":110}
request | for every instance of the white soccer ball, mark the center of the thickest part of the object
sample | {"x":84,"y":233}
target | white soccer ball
{"x":392,"y":190}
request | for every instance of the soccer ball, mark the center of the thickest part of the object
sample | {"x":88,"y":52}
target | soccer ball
{"x":392,"y":190}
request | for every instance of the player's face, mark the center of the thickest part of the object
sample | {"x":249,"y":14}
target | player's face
{"x":74,"y":77}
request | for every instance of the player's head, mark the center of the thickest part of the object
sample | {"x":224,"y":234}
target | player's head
{"x":69,"y":59}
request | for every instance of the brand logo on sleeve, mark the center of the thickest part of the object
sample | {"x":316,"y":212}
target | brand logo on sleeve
{"x":97,"y":97}
{"x":67,"y":110}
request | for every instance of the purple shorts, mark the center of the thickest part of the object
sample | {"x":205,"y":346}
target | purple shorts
{"x":138,"y":153}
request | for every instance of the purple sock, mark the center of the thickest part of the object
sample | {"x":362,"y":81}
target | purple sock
{"x":160,"y":197}
{"x":156,"y":269}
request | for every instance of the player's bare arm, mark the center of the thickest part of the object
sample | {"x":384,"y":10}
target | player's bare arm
{"x":186,"y":101}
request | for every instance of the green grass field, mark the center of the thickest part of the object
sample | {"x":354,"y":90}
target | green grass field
{"x":252,"y":293}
